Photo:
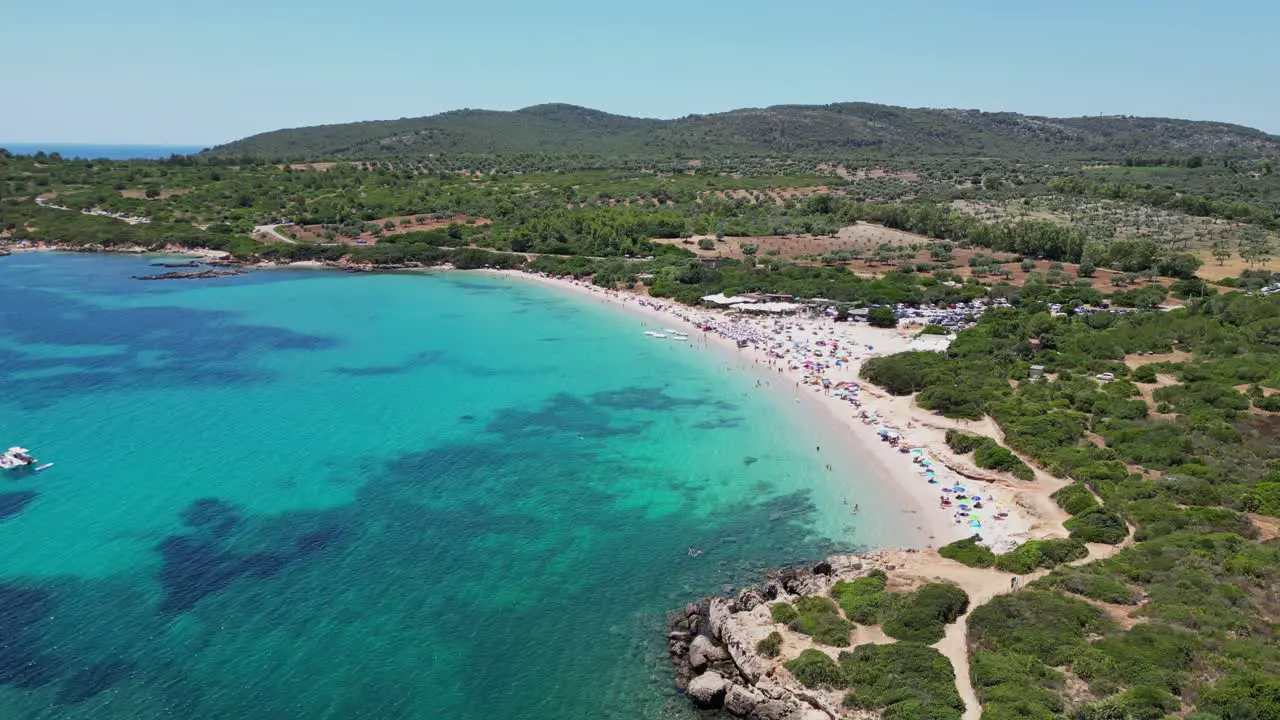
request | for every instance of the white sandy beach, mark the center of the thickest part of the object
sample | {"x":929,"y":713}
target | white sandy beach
{"x":813,"y":351}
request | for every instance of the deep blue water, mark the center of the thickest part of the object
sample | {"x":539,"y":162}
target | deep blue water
{"x":320,"y":495}
{"x":97,"y":152}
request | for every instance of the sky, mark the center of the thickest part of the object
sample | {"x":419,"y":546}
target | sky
{"x":204,"y":73}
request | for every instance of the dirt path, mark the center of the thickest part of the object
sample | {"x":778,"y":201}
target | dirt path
{"x":271,"y":231}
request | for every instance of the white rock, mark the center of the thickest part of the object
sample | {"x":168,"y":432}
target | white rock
{"x":707,"y":690}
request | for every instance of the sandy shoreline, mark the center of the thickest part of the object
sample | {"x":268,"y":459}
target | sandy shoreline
{"x":890,"y":467}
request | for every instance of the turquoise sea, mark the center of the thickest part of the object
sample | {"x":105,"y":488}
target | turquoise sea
{"x":308,"y":494}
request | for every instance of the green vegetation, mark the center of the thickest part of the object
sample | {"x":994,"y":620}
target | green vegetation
{"x":819,"y":618}
{"x":905,"y":680}
{"x":814,"y":669}
{"x":786,"y":129}
{"x":864,"y":599}
{"x":969,"y":552}
{"x":783,"y":613}
{"x":771,"y":645}
{"x":923,"y":615}
{"x":988,"y":454}
{"x":1035,"y":554}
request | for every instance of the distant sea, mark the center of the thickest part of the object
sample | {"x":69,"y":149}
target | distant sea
{"x":309,"y":494}
{"x":98,"y":152}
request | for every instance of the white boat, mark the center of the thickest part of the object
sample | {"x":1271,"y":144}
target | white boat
{"x":659,"y":335}
{"x":16,"y":458}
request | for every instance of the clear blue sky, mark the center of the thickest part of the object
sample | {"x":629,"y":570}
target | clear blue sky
{"x":165,"y":72}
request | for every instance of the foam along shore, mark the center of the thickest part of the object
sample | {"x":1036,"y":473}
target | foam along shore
{"x":823,"y":358}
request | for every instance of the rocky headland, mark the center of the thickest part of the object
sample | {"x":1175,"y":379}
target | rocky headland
{"x":714,"y":644}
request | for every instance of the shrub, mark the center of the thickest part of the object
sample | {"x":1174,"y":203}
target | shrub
{"x":969,"y":552}
{"x":864,"y":600}
{"x":934,"y":329}
{"x":1270,"y":403}
{"x":1241,"y":696}
{"x":962,"y":442}
{"x":903,"y":373}
{"x":814,"y":669}
{"x":706,"y":244}
{"x":1034,"y":554}
{"x":1098,"y":526}
{"x":1082,"y":581}
{"x":1013,"y":686}
{"x":882,"y":317}
{"x":905,"y":680}
{"x":1075,"y":499}
{"x":924,"y":614}
{"x":783,"y":613}
{"x":771,"y":646}
{"x":1140,"y":703}
{"x":1048,"y":626}
{"x":991,"y":456}
{"x":818,"y":618}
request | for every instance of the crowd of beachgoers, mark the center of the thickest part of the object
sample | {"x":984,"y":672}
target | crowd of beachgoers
{"x":822,"y":357}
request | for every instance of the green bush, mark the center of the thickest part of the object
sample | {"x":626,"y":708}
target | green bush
{"x":814,"y":669}
{"x":783,"y":613}
{"x":1098,"y":526}
{"x":771,"y":646}
{"x":905,"y":680}
{"x":1245,"y":696}
{"x":962,"y":442}
{"x":1014,"y":686}
{"x":1269,"y":403}
{"x":1048,"y":626}
{"x":934,"y":329}
{"x":903,"y":373}
{"x":1075,"y":499}
{"x":969,"y":552}
{"x":1083,"y":581}
{"x":991,"y":456}
{"x":1035,"y":554}
{"x":1152,"y":654}
{"x":1144,"y":374}
{"x":924,"y":614}
{"x":818,"y":618}
{"x":1139,"y":703}
{"x":882,"y":317}
{"x":864,"y":599}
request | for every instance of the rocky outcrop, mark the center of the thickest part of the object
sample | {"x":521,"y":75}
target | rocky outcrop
{"x":707,"y":690}
{"x":713,"y":642}
{"x":193,"y":275}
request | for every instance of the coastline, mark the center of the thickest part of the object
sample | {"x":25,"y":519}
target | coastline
{"x":892,"y":469}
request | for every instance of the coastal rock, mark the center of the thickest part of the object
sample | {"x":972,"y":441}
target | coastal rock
{"x":748,"y":600}
{"x":707,"y":690}
{"x":773,"y":710}
{"x":702,"y":652}
{"x":740,"y":633}
{"x":741,"y":701}
{"x":822,"y":568}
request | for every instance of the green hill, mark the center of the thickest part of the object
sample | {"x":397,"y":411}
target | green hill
{"x":844,"y":129}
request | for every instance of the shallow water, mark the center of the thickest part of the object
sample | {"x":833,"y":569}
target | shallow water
{"x":319,"y":495}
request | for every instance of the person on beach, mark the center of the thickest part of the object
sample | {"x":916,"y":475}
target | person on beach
{"x":1013,"y":583}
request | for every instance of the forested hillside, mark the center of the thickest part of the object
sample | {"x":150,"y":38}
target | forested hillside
{"x":844,"y":129}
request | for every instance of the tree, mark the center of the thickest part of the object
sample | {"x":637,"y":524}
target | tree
{"x":1086,"y":269}
{"x":1255,"y":246}
{"x":1221,"y":251}
{"x":706,"y":243}
{"x":883,"y":317}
